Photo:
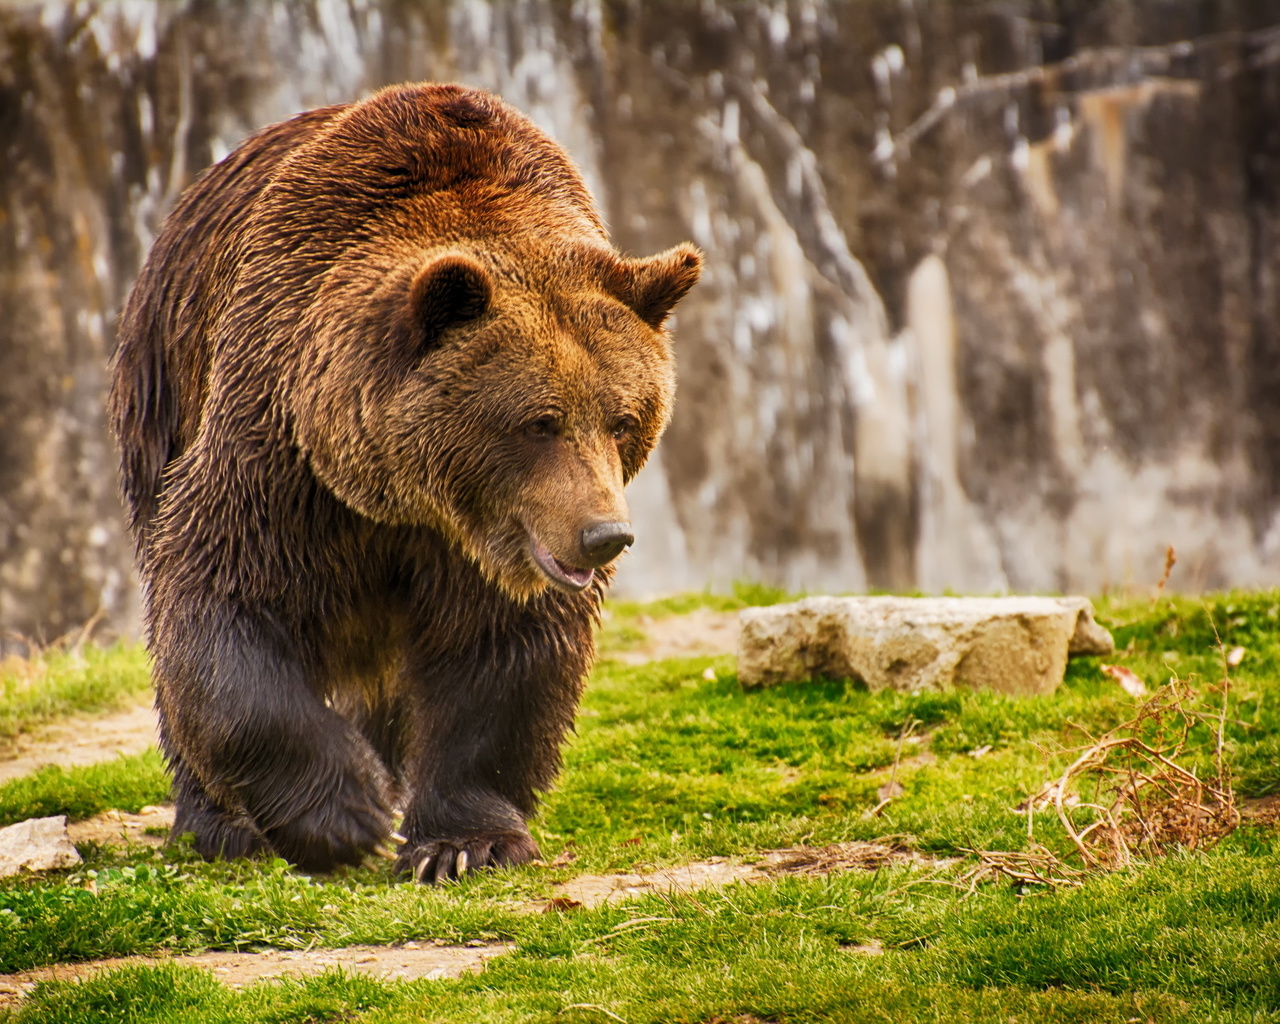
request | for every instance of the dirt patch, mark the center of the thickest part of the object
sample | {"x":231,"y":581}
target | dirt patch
{"x":1263,"y":810}
{"x":701,"y":633}
{"x":119,"y":828}
{"x":826,"y":860}
{"x":873,"y":948}
{"x":408,"y":962}
{"x":73,"y":742}
{"x":593,"y":890}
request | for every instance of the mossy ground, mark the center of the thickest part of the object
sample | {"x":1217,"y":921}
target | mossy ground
{"x":673,"y":762}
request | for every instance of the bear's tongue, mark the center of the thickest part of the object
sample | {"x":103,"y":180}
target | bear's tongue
{"x":566,"y":575}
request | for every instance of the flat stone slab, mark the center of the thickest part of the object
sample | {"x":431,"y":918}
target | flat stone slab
{"x":1012,"y":645}
{"x":37,"y":844}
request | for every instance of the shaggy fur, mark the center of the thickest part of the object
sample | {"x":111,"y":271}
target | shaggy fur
{"x":378,"y":389}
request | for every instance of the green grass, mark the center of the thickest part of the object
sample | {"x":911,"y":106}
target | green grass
{"x":125,"y":784}
{"x":57,"y":683}
{"x":668,"y":766}
{"x":1191,"y":938}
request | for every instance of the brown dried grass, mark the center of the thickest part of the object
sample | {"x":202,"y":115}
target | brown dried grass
{"x":1129,"y":796}
{"x":1143,"y":801}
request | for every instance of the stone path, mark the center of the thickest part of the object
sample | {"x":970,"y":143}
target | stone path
{"x":410,"y":961}
{"x":73,"y":742}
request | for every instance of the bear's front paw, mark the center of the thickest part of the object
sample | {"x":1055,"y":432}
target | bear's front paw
{"x":343,"y":829}
{"x":440,"y":860}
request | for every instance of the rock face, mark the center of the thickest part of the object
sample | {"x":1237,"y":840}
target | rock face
{"x":990,"y":300}
{"x":1012,"y":645}
{"x":38,"y":844}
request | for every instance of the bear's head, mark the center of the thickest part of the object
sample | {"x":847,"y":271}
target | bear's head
{"x":479,"y":360}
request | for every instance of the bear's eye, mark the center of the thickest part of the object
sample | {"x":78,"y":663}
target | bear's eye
{"x":623,"y":428}
{"x":543,"y":426}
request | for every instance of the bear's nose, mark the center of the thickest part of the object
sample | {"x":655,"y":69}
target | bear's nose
{"x":603,"y":542}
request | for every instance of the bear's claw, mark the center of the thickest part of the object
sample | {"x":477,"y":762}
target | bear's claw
{"x":443,"y":860}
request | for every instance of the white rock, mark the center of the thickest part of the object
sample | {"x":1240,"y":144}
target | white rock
{"x":38,"y":844}
{"x":1012,"y":645}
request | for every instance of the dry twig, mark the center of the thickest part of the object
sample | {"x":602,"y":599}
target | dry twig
{"x":891,"y":789}
{"x":1036,"y":866}
{"x":1170,"y":560}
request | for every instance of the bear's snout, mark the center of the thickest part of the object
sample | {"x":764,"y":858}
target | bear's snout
{"x":601,"y":543}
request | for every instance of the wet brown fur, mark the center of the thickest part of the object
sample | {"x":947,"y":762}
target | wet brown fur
{"x":374,"y":352}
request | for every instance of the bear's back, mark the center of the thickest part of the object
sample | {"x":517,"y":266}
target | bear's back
{"x":160,"y":367}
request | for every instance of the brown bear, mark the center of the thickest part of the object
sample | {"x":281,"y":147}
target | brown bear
{"x":378,"y":389}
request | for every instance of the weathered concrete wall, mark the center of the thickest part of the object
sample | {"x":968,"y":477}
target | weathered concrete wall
{"x":991,"y":299}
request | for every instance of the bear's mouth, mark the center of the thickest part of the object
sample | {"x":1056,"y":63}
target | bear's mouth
{"x":568,"y":576}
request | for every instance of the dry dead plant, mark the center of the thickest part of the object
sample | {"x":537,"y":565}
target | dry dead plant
{"x":1170,"y":560}
{"x":1036,"y":866}
{"x":27,"y":659}
{"x":1142,"y":800}
{"x":834,"y":857}
{"x":1129,"y":794}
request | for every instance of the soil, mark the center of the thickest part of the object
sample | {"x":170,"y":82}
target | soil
{"x":592,"y":890}
{"x":1263,"y":810}
{"x":72,"y":742}
{"x":149,"y":827}
{"x":409,"y":961}
{"x":700,"y":633}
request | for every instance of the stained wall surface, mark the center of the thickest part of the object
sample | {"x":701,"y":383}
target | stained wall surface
{"x":991,"y":299}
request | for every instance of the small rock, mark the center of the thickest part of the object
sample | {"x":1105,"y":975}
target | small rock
{"x":1128,"y":680}
{"x":1012,"y":645}
{"x":38,"y":844}
{"x":889,"y":791}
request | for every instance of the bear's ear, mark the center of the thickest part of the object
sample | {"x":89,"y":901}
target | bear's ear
{"x":654,"y":285}
{"x":447,"y":290}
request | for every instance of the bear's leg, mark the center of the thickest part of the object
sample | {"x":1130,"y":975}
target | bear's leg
{"x":485,"y":739}
{"x":219,"y":834}
{"x":381,"y":722}
{"x":238,"y":710}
